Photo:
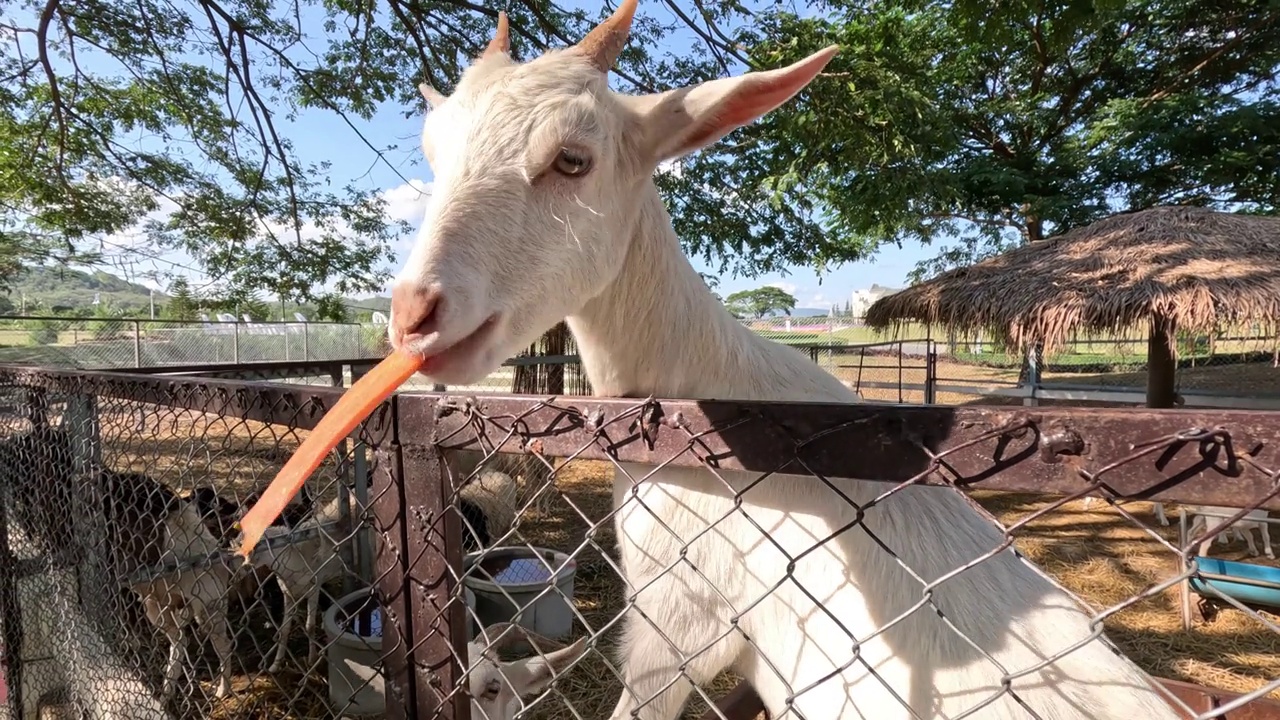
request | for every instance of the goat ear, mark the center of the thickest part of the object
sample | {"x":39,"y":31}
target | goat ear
{"x":680,"y":121}
{"x":537,"y":672}
{"x":431,"y":95}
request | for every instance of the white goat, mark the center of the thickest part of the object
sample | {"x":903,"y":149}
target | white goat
{"x":139,"y":505}
{"x":545,"y":208}
{"x":1207,"y":516}
{"x":301,"y":568}
{"x":498,"y":688}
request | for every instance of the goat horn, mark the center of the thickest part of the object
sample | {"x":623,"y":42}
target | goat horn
{"x":501,"y":41}
{"x":605,"y":42}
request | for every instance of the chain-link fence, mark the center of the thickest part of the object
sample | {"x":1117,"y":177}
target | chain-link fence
{"x":128,"y":343}
{"x":648,"y":553}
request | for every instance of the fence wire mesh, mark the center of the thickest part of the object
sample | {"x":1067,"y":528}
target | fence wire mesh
{"x":511,"y":556}
{"x":121,"y":520}
{"x":718,"y":566}
{"x":132,"y":343}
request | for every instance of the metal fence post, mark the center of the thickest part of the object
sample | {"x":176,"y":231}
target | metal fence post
{"x":392,"y":571}
{"x":235,"y":344}
{"x":137,"y":344}
{"x":1033,"y":376}
{"x":10,"y":618}
{"x":930,"y":372}
{"x":363,"y":545}
{"x":81,"y":423}
{"x":306,"y":341}
{"x":432,"y":558}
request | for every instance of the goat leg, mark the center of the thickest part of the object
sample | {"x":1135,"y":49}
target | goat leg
{"x":288,"y":608}
{"x":1160,"y":516}
{"x":309,"y":627}
{"x":220,"y":638}
{"x":174,"y":667}
{"x":1248,"y":538}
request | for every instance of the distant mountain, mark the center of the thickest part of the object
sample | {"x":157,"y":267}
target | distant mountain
{"x":64,"y":289}
{"x":374,"y":302}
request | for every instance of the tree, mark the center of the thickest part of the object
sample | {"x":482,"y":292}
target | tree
{"x":986,"y":124}
{"x":182,"y":303}
{"x":712,"y":282}
{"x":760,"y":302}
{"x":175,"y":120}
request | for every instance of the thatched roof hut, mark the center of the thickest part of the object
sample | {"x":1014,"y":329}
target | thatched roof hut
{"x":1166,"y":268}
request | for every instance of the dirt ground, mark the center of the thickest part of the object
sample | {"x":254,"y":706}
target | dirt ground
{"x":1095,"y":553}
{"x":1248,"y":379}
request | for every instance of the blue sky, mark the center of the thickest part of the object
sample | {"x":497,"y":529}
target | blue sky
{"x":402,"y":174}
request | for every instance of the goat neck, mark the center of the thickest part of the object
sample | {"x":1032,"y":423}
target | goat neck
{"x":657,"y":330}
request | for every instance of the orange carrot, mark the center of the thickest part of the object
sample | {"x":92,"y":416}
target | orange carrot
{"x":354,"y":406}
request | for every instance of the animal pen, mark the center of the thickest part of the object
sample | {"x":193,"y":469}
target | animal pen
{"x":90,"y":593}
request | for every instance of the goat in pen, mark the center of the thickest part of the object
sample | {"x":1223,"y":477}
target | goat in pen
{"x":545,"y":208}
{"x":144,"y":526}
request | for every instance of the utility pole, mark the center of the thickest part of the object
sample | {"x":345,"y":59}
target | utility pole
{"x":153,"y":303}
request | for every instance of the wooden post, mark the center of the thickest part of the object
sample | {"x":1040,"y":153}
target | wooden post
{"x":1162,"y":365}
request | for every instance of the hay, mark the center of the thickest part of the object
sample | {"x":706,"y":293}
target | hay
{"x":1194,"y":267}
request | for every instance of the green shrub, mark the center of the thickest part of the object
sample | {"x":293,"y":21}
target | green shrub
{"x":44,"y":332}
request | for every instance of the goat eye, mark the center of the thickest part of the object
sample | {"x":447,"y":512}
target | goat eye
{"x":572,"y":164}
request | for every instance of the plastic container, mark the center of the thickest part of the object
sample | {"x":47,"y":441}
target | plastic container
{"x":509,"y":585}
{"x":353,"y":626}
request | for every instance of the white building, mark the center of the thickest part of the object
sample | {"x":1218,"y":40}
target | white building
{"x":863,"y":298}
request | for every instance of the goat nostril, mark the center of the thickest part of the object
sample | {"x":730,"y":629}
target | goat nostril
{"x":414,"y":310}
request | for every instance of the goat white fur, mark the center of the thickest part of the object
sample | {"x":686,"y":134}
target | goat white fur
{"x":149,"y":527}
{"x":195,"y":594}
{"x":544,"y":207}
{"x":1207,"y":516}
{"x":300,"y":569}
{"x":498,"y":688}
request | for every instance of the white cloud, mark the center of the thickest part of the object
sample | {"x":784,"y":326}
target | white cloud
{"x":673,"y":166}
{"x":818,"y":301}
{"x":788,"y":288}
{"x":408,"y":201}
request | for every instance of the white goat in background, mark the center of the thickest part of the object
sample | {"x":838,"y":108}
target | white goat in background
{"x":498,"y":688}
{"x":545,"y":208}
{"x":301,"y":567}
{"x":1207,"y":516}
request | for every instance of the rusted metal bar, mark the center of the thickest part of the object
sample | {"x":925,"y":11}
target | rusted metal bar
{"x":1218,"y":457}
{"x":391,"y":570}
{"x":435,"y":549}
{"x":742,"y":703}
{"x":297,"y":406}
{"x":320,"y":367}
{"x":1214,"y":457}
{"x":1202,"y":700}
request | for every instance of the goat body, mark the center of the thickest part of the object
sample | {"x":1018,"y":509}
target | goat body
{"x":301,"y":568}
{"x":1242,"y":528}
{"x":830,"y":612}
{"x":146,"y":525}
{"x":156,"y":527}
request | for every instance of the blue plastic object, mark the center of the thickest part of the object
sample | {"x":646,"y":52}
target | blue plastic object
{"x":1252,"y":594}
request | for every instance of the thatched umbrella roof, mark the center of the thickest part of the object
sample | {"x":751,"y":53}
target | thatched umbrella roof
{"x":1184,"y":268}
